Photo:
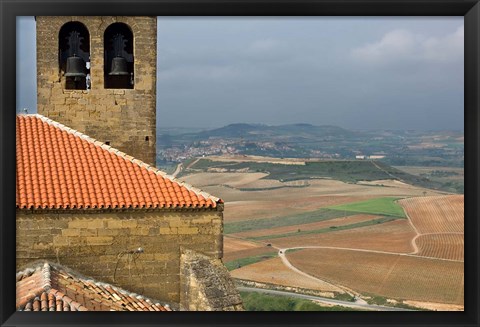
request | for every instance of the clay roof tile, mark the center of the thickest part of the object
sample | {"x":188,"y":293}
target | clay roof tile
{"x":58,"y":167}
{"x":89,"y":295}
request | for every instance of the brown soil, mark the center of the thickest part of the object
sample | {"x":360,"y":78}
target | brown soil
{"x":389,"y":275}
{"x":394,"y":236}
{"x":231,"y":244}
{"x":246,"y":205}
{"x":435,"y":306}
{"x":236,"y":249}
{"x":445,"y":246}
{"x":273,"y":271}
{"x":436,"y":214}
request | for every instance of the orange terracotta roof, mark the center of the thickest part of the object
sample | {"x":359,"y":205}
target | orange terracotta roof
{"x":60,"y":168}
{"x":49,"y":287}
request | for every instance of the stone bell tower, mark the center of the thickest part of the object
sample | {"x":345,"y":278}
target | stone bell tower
{"x":97,"y":75}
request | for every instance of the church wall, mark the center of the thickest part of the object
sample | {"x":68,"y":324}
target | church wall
{"x":100,"y":244}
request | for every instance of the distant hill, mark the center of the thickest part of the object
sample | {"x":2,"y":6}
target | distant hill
{"x":303,"y":140}
{"x":290,"y":132}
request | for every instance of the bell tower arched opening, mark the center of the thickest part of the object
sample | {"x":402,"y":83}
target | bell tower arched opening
{"x":119,"y":59}
{"x":74,"y":55}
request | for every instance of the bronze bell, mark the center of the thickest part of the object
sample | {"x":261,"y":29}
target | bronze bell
{"x":75,"y":67}
{"x":119,"y":66}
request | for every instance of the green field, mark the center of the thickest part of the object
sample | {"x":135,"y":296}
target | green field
{"x":303,"y":218}
{"x":254,"y":301}
{"x":235,"y":264}
{"x":380,"y":206}
{"x":328,"y":229}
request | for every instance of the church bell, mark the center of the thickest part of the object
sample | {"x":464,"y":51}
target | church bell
{"x":119,"y":66}
{"x":75,"y":67}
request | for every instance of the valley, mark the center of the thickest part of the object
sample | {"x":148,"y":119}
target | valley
{"x":372,"y":217}
{"x":347,"y":230}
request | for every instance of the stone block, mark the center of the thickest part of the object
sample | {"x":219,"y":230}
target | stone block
{"x":188,"y":230}
{"x":60,"y":241}
{"x":99,"y":240}
{"x":129,"y":223}
{"x":98,"y":223}
{"x":80,"y":223}
{"x":71,"y":232}
{"x":114,"y":224}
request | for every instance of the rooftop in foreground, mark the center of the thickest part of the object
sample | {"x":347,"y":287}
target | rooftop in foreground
{"x":61,"y":168}
{"x":50,"y":287}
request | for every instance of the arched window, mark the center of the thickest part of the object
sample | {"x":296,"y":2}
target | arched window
{"x":119,"y":63}
{"x":74,"y":55}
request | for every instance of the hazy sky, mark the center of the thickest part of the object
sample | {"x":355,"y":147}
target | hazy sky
{"x":357,"y":73}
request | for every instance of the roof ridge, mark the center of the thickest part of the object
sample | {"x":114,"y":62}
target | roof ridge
{"x":42,"y":267}
{"x":123,"y":155}
{"x":47,"y":276}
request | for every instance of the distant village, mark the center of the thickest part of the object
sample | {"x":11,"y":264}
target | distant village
{"x":221,"y":146}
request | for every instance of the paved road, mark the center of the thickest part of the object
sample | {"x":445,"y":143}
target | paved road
{"x":324,"y":300}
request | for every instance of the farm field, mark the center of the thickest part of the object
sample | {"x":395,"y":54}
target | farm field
{"x":273,"y":271}
{"x":391,"y":218}
{"x":378,"y":206}
{"x":451,"y":178}
{"x":444,"y":246}
{"x":277,"y":202}
{"x":453,"y":173}
{"x":439,"y":214}
{"x":270,"y":208}
{"x":335,"y":222}
{"x":393,"y":236}
{"x":289,"y":220}
{"x":392,"y":276}
{"x":235,"y":249}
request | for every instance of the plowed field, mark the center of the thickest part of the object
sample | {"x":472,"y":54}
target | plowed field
{"x":265,"y":203}
{"x":393,"y":236}
{"x":436,"y":214}
{"x":388,"y":275}
{"x":273,"y":271}
{"x":235,"y":249}
{"x":445,"y":246}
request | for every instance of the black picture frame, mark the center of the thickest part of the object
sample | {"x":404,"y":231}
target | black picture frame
{"x":10,"y":9}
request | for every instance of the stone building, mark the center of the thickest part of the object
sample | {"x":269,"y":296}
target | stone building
{"x":97,"y":75}
{"x":92,"y":208}
{"x":89,"y":197}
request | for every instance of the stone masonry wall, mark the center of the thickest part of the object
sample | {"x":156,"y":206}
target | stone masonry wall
{"x":100,"y":245}
{"x":206,"y":284}
{"x":123,"y":117}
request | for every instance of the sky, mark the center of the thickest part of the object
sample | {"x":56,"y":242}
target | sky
{"x":359,"y":73}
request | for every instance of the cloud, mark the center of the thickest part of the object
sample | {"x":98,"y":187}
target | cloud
{"x":445,"y":48}
{"x":394,"y":44}
{"x":402,"y":44}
